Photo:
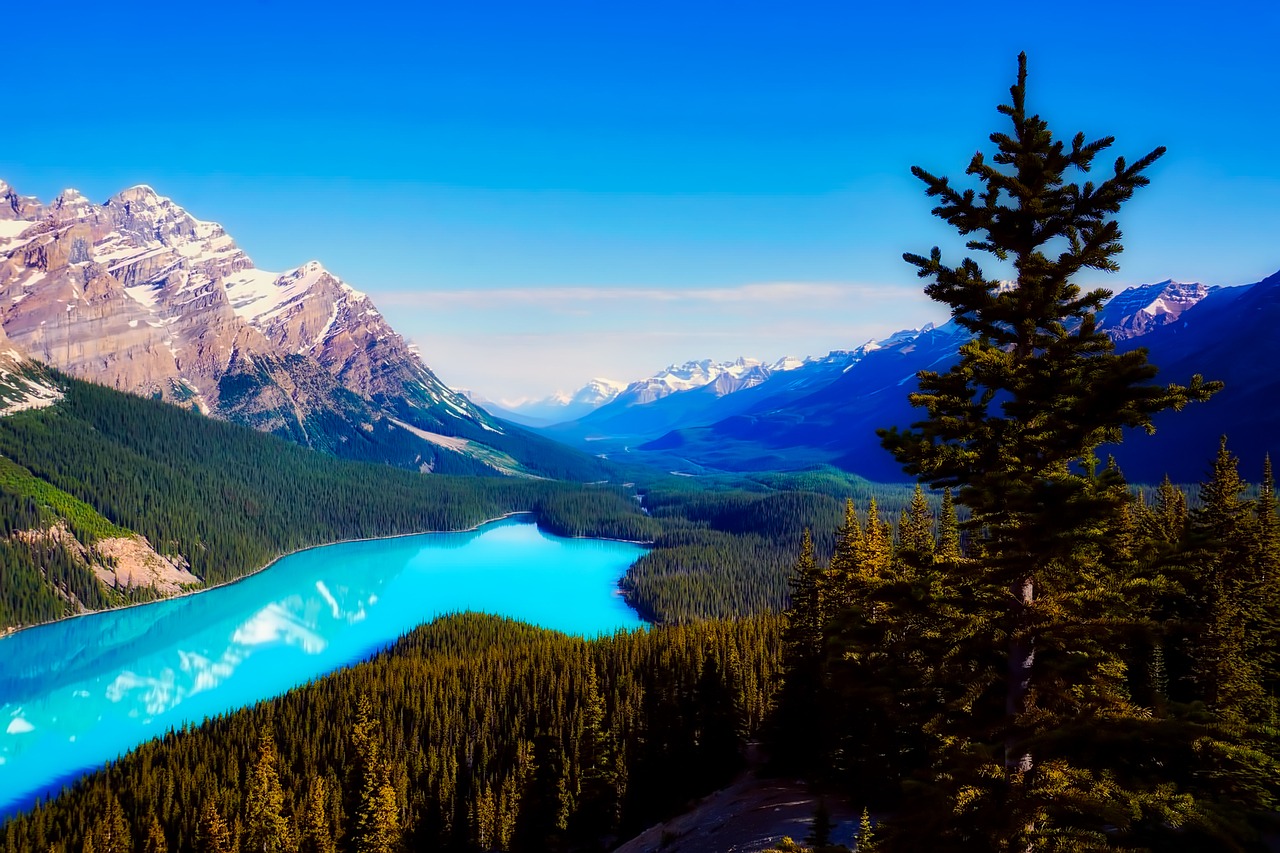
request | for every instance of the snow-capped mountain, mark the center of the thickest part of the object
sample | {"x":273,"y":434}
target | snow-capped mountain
{"x":138,"y":294}
{"x":561,"y":406}
{"x":827,"y":409}
{"x":1223,"y":332}
{"x":700,"y":392}
{"x":1136,"y":311}
{"x":725,"y":377}
{"x":596,"y":392}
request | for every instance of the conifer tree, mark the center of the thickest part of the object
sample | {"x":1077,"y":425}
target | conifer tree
{"x":541,"y":822}
{"x":719,"y":725}
{"x":1268,"y":555}
{"x":875,"y":556}
{"x":316,"y":832}
{"x":378,"y":823}
{"x":915,"y":528}
{"x":820,"y":830}
{"x":1167,"y":522}
{"x":212,"y":833}
{"x":866,"y":834}
{"x":806,"y":612}
{"x":155,"y":841}
{"x":111,"y":830}
{"x":948,"y":530}
{"x":597,"y":811}
{"x":1015,"y":427}
{"x":1227,"y":668}
{"x":377,"y":811}
{"x":843,"y":567}
{"x":266,"y":828}
{"x":798,"y":720}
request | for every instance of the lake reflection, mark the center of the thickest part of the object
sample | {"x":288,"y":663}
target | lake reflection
{"x":80,"y":692}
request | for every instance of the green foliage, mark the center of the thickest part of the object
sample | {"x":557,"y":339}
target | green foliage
{"x":229,"y":500}
{"x":83,"y":520}
{"x":226,"y":498}
{"x":722,"y":553}
{"x":455,"y":738}
{"x":1038,"y":619}
{"x":212,"y":834}
{"x":266,"y":828}
{"x":316,"y":827}
{"x":1078,"y":670}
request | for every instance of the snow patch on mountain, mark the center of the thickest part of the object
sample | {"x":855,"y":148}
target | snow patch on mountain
{"x":138,"y":294}
{"x":1136,"y":311}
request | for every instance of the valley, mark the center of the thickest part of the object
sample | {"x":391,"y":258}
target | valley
{"x":800,"y":413}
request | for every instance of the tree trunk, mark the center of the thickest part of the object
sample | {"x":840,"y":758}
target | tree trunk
{"x":1022,"y":655}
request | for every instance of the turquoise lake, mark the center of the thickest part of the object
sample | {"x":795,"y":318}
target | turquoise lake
{"x":77,"y":693}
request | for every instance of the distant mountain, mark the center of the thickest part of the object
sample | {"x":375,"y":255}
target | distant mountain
{"x":558,"y":407}
{"x":723,"y":377}
{"x":1230,"y":335}
{"x":139,"y":295}
{"x":675,"y":396}
{"x":701,"y":392}
{"x":828,"y":411}
{"x":1137,"y":311}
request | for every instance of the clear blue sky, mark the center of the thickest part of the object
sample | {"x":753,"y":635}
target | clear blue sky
{"x":541,"y":192}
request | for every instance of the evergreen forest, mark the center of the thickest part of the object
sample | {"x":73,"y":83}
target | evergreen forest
{"x":229,"y":500}
{"x":471,"y":733}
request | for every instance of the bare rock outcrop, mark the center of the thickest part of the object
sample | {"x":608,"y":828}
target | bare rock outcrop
{"x":139,"y":295}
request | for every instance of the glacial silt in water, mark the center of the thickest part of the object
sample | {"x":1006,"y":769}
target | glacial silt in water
{"x":77,"y":693}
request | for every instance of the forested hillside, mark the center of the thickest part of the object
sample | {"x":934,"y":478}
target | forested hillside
{"x":472,"y":733}
{"x":893,"y":680}
{"x":226,"y":500}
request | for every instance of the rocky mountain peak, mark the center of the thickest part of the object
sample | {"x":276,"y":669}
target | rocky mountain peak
{"x":139,"y":294}
{"x":154,"y":220}
{"x":1135,"y":311}
{"x":71,"y":203}
{"x":137,"y":193}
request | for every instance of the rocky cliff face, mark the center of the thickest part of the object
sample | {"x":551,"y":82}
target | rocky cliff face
{"x":139,"y":295}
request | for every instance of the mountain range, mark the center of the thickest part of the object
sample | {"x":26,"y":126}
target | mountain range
{"x":561,"y":406}
{"x":139,"y":295}
{"x":826,"y":410}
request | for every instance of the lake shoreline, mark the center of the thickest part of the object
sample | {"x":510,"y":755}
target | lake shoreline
{"x":11,"y":631}
{"x":79,"y":693}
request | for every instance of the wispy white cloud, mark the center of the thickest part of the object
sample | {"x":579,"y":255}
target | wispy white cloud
{"x":763,"y":292}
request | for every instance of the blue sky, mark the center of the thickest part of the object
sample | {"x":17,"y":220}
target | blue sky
{"x":537,"y":193}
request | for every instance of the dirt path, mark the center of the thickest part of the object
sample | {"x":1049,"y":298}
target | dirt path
{"x":751,"y":815}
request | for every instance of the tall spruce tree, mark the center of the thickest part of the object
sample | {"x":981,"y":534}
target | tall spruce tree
{"x":948,"y":530}
{"x":266,"y":828}
{"x":1268,"y":525}
{"x":1014,"y":427}
{"x":798,"y":735}
{"x":212,"y":833}
{"x":315,"y":831}
{"x":1229,"y":610}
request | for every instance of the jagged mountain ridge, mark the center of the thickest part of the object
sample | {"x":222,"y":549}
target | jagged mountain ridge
{"x":701,"y":392}
{"x":1136,"y":311}
{"x":561,"y":406}
{"x":828,"y":413}
{"x":723,"y":378}
{"x":139,"y":295}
